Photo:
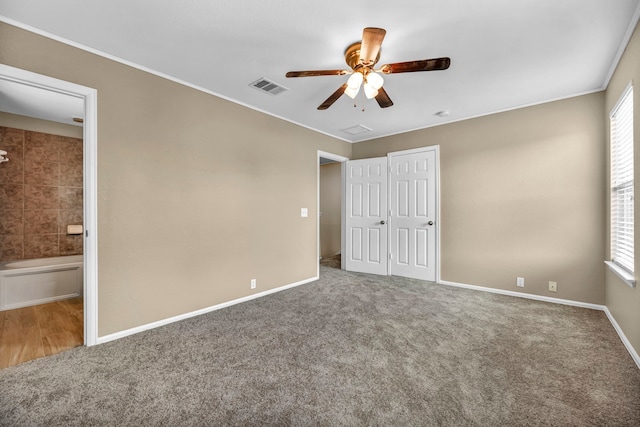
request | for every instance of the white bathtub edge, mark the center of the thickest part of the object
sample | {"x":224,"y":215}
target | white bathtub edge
{"x":41,"y":262}
{"x":169,"y":320}
{"x":12,"y":272}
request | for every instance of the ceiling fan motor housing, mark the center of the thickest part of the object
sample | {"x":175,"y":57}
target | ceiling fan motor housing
{"x":352,"y":56}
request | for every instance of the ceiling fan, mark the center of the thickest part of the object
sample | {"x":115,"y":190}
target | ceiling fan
{"x":361,"y":57}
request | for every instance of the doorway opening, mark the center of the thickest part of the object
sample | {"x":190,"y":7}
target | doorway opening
{"x":32,"y":89}
{"x":330,"y":209}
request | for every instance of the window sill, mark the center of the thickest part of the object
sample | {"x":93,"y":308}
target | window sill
{"x":622,"y":273}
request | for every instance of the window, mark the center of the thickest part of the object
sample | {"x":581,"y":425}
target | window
{"x":622,"y":245}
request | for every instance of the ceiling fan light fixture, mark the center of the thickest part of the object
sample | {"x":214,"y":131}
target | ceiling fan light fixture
{"x":355,"y":81}
{"x":351,"y":92}
{"x":361,"y":57}
{"x":370,"y":91}
{"x":375,"y":80}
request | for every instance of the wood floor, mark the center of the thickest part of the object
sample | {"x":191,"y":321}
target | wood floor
{"x":41,"y":330}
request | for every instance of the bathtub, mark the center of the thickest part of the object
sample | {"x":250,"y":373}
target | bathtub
{"x":38,"y":281}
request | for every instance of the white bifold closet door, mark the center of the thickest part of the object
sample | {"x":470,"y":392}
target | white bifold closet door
{"x":366,"y":216}
{"x":391,"y":214}
{"x":413,"y":215}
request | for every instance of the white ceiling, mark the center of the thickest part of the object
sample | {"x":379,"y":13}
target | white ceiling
{"x":17,"y":98}
{"x":504,"y":54}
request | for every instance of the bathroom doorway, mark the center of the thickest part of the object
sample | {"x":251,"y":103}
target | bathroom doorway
{"x":330,"y":209}
{"x":22,"y":95}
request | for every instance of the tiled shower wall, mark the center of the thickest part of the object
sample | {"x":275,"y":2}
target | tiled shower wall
{"x":40,"y":194}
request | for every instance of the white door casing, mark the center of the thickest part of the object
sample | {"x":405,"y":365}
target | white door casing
{"x":366,"y":216}
{"x":413,"y":213}
{"x":90,"y":165}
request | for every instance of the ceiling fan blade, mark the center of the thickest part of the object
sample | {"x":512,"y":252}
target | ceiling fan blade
{"x":370,"y":47}
{"x":383,"y":99}
{"x":314,"y":73}
{"x":412,"y":66}
{"x":333,"y":98}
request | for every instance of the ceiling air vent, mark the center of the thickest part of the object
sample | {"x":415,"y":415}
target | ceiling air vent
{"x":268,"y":86}
{"x":356,"y":130}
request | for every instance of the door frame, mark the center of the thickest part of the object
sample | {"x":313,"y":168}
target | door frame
{"x":340,"y":159}
{"x":435,"y":148}
{"x":90,"y":192}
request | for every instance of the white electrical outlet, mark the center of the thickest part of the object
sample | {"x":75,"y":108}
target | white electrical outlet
{"x":553,"y":287}
{"x":253,"y":283}
{"x":520,"y":282}
{"x":304,"y":212}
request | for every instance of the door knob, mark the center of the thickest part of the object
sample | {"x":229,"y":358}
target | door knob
{"x":430,"y":223}
{"x":382,"y":222}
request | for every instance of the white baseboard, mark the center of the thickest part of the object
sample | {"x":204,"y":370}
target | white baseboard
{"x":525,"y":295}
{"x":623,"y":337}
{"x":152,"y":325}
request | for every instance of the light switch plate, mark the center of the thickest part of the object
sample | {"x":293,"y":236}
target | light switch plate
{"x":304,"y":212}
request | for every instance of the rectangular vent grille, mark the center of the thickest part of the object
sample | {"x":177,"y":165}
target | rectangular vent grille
{"x":356,"y":130}
{"x":268,"y":86}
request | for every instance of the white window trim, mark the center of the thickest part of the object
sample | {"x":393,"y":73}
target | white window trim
{"x":620,"y":271}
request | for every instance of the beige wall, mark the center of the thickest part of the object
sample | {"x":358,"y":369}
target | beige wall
{"x":330,"y":200}
{"x":521,"y":195}
{"x":624,"y":302}
{"x":196,"y":195}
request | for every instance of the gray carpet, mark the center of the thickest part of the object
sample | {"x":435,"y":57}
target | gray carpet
{"x":349,"y":349}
